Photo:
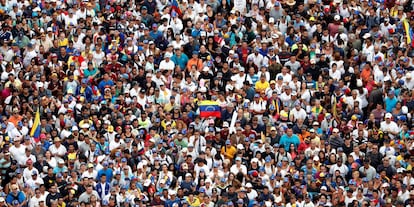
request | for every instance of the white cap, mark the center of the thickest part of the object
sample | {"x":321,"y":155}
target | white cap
{"x":254,"y":160}
{"x":206,"y":69}
{"x":271,"y":20}
{"x":388,"y":115}
{"x":249,"y":185}
{"x":324,"y":188}
{"x":240,"y":146}
{"x":75,"y":128}
{"x":226,"y":124}
{"x":337,"y":18}
{"x":366,"y":35}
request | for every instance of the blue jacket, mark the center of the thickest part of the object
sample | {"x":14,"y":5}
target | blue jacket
{"x":87,"y":93}
{"x":99,"y":189}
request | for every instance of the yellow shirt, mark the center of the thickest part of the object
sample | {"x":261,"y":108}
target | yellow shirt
{"x":64,"y":42}
{"x":195,"y":202}
{"x":169,"y":107}
{"x":261,"y":86}
{"x":228,"y":152}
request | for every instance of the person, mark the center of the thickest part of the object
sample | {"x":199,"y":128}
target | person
{"x":205,"y":103}
{"x":16,"y":196}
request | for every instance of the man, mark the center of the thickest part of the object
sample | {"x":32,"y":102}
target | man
{"x":389,"y":126}
{"x":228,"y":151}
{"x":167,"y":64}
{"x":367,"y":170}
{"x":16,"y":196}
{"x":85,"y":196}
{"x":53,"y":195}
{"x":289,"y":138}
{"x":102,"y":187}
{"x":343,"y":169}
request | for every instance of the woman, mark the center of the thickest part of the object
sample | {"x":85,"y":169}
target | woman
{"x":292,"y":151}
{"x":98,"y":56}
{"x":327,"y":50}
{"x":331,"y":160}
{"x":224,"y":9}
{"x":397,"y":111}
{"x":211,"y":45}
{"x":169,"y":35}
{"x":93,"y":200}
{"x":50,"y":160}
{"x":180,"y":125}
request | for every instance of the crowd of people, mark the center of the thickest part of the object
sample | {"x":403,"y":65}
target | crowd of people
{"x":204,"y":103}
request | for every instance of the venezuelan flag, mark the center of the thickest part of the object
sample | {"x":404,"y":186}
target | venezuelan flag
{"x":209,"y":108}
{"x":35,"y":131}
{"x":175,"y":7}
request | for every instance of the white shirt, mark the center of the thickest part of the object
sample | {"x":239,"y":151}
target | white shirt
{"x":257,"y":60}
{"x":336,"y":75}
{"x":252,"y":195}
{"x":18,"y":153}
{"x":60,"y":151}
{"x":88,"y":174}
{"x":16,"y":132}
{"x":35,"y":183}
{"x":384,"y":150}
{"x":301,"y":114}
{"x":113,"y":145}
{"x":369,"y":52}
{"x":34,"y":201}
{"x":240,"y":80}
{"x":287,"y":78}
{"x":343,"y":169}
{"x":242,"y":168}
{"x":392,"y":127}
{"x":27,"y":173}
{"x":164,"y":65}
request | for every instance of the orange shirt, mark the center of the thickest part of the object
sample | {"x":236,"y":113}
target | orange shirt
{"x":198,"y":62}
{"x":365,"y":73}
{"x":13,"y":119}
{"x":303,"y":136}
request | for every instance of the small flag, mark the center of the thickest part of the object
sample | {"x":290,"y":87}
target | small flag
{"x":175,"y":8}
{"x":35,"y":131}
{"x":209,"y":108}
{"x":407,"y":29}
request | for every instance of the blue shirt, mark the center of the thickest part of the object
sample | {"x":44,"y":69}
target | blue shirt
{"x":104,"y":83}
{"x":286,"y":140}
{"x":390,"y":104}
{"x":108,"y":172}
{"x":19,"y":197}
{"x":155,"y":34}
{"x":181,"y":61}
